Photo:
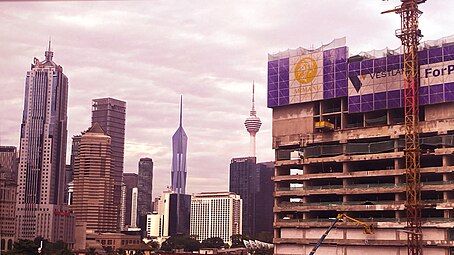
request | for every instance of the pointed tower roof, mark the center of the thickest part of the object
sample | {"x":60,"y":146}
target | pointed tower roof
{"x":96,"y":128}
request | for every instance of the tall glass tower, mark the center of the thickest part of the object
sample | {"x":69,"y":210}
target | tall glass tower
{"x":179,"y":148}
{"x":145,"y":188}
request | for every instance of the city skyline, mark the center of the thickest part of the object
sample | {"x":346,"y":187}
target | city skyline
{"x":218,"y":92}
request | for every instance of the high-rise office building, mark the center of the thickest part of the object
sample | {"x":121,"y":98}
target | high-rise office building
{"x":173,"y":213}
{"x":179,"y":149}
{"x":8,"y":194}
{"x":110,"y":114}
{"x":40,"y":193}
{"x":131,"y":181}
{"x":264,"y":200}
{"x":243,"y":180}
{"x":74,"y":150}
{"x":94,"y":182}
{"x":7,"y":209}
{"x":69,"y":176}
{"x":134,"y":195}
{"x":252,"y":124}
{"x":9,"y":160}
{"x":252,"y":181}
{"x":215,"y":214}
{"x":145,"y":187}
{"x":68,"y":179}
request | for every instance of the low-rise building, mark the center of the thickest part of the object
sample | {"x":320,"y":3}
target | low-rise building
{"x":117,"y":240}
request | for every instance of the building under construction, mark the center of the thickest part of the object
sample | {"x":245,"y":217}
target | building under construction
{"x":338,"y":133}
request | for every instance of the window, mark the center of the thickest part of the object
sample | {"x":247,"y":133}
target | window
{"x":451,"y":235}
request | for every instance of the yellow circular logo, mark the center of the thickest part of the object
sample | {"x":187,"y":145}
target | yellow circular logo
{"x":305,"y":70}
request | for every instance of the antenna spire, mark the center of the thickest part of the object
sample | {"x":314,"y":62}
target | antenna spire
{"x":181,"y":110}
{"x":49,"y":54}
{"x":253,"y":95}
{"x":253,"y":112}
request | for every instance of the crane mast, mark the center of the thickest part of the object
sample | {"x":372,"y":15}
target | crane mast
{"x":410,"y":35}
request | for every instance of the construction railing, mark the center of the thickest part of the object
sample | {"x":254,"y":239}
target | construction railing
{"x":403,"y":220}
{"x":362,"y":186}
{"x":373,"y":147}
{"x":334,"y":203}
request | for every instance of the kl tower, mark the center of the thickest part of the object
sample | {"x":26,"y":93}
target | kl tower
{"x":252,"y":124}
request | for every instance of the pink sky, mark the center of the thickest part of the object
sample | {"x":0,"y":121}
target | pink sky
{"x":150,"y":52}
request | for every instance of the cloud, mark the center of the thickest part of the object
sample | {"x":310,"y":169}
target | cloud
{"x":148,"y":53}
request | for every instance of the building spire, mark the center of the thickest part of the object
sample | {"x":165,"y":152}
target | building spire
{"x":181,"y":110}
{"x":253,"y":112}
{"x":49,"y":54}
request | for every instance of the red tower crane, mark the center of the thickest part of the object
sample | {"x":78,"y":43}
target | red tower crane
{"x":410,"y":35}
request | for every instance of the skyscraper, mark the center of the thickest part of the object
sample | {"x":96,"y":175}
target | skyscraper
{"x":264,"y":200}
{"x":243,"y":181}
{"x":7,"y":208}
{"x":253,"y":125}
{"x":69,"y":176}
{"x":215,"y":214}
{"x":40,"y":210}
{"x":145,"y":187}
{"x":130,"y":180}
{"x":179,"y":148}
{"x":94,"y":182}
{"x":110,"y":114}
{"x":134,"y":195}
{"x":252,"y":181}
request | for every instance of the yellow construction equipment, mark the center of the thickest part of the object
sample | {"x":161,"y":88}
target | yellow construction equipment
{"x":324,"y":125}
{"x":368,"y":229}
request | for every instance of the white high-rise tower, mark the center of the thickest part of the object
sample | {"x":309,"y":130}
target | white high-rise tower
{"x":252,"y":124}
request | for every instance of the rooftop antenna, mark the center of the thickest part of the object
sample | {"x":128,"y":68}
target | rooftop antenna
{"x":253,"y":96}
{"x":49,"y":54}
{"x":181,"y":110}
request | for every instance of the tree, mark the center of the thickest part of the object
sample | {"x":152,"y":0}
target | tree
{"x":180,"y":242}
{"x":237,"y":241}
{"x":91,"y":251}
{"x":24,"y":247}
{"x":27,"y":247}
{"x":57,"y":248}
{"x":108,"y":250}
{"x":120,"y":251}
{"x":154,"y":245}
{"x":212,"y":242}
